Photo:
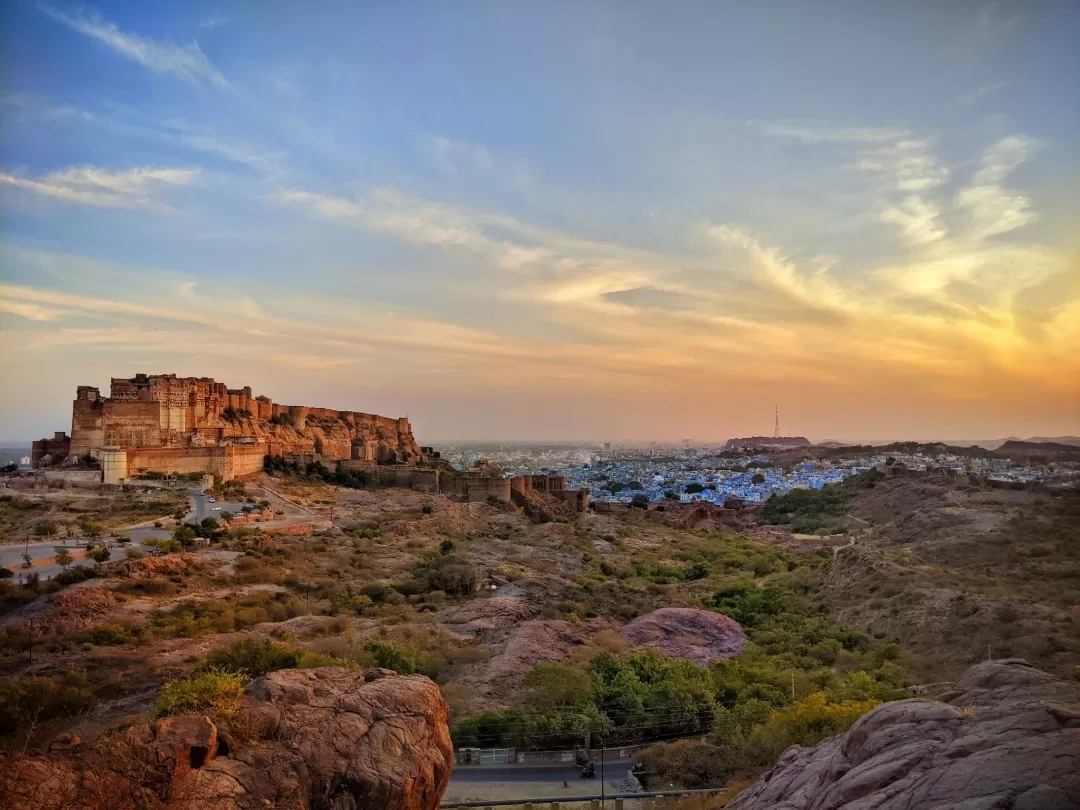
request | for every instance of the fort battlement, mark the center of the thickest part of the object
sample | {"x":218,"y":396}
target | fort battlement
{"x":198,"y":419}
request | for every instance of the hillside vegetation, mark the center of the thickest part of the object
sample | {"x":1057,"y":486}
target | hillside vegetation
{"x":520,"y":623}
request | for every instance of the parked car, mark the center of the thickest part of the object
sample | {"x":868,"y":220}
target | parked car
{"x":215,"y":508}
{"x":212,"y":500}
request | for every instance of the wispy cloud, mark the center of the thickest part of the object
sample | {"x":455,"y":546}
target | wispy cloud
{"x":133,"y":124}
{"x":186,"y":61}
{"x":917,"y":218}
{"x":92,"y":185}
{"x":30,"y":310}
{"x":215,"y":21}
{"x":982,"y":92}
{"x":906,"y":165}
{"x":994,"y":210}
{"x":821,"y":134}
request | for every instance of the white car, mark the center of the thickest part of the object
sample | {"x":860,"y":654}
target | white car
{"x":215,"y":508}
{"x":212,"y":500}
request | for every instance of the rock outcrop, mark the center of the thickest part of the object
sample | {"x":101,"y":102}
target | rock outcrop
{"x":700,"y":635}
{"x":1006,"y":737}
{"x":326,"y":739}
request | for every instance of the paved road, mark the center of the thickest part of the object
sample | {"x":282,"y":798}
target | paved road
{"x":11,"y":556}
{"x":553,"y":774}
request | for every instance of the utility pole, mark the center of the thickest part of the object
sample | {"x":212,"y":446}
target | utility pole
{"x":602,"y":805}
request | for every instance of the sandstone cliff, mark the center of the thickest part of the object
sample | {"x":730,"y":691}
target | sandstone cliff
{"x":1006,"y":737}
{"x":326,"y":739}
{"x":334,"y":435}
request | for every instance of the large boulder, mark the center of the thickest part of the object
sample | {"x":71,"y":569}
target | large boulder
{"x":700,"y":635}
{"x":1006,"y":737}
{"x":324,"y":739}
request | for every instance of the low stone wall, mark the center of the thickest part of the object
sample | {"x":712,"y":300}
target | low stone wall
{"x":250,"y":517}
{"x":291,"y":529}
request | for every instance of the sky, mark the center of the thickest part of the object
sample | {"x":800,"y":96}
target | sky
{"x":551,"y":220}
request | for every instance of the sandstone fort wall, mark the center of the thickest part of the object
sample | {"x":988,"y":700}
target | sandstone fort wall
{"x":189,"y":415}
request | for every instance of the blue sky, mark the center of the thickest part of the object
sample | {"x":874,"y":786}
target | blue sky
{"x":551,"y":220}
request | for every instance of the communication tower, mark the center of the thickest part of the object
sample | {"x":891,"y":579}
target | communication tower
{"x":776,"y":428}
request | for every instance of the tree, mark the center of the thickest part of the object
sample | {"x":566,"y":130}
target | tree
{"x":6,"y":573}
{"x":44,"y":528}
{"x":99,"y":554}
{"x":33,"y":581}
{"x":694,"y":488}
{"x":28,"y":561}
{"x":758,"y":478}
{"x":640,"y":501}
{"x":559,"y":687}
{"x":227,"y":516}
{"x":671,"y":495}
{"x":184,"y":535}
{"x":63,"y":558}
{"x":91,"y":529}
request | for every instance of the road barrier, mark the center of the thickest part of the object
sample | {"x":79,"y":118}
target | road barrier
{"x":646,"y":800}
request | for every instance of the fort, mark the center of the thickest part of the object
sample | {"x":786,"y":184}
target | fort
{"x":195,"y":426}
{"x":187,"y":425}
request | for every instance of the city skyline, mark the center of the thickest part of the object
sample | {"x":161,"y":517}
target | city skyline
{"x":602,"y":222}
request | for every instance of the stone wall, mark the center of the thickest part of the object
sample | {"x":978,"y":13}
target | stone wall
{"x":227,"y":462}
{"x":132,"y":424}
{"x":50,"y":452}
{"x":476,"y":487}
{"x":87,"y":421}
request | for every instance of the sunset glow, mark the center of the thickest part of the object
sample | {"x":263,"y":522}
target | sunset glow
{"x":553,"y":222}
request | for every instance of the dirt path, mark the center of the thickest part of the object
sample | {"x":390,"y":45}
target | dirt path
{"x":836,"y":549}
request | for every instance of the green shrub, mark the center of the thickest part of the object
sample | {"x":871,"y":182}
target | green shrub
{"x":388,"y":656}
{"x":211,"y":690}
{"x":256,"y":656}
{"x":26,"y":701}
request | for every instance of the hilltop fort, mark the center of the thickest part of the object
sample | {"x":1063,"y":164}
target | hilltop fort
{"x":168,"y":424}
{"x":161,"y":424}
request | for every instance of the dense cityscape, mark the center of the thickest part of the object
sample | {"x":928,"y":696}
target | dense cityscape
{"x":710,"y":473}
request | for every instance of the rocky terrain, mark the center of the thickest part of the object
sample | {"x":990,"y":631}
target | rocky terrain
{"x":953,"y":571}
{"x":698,"y":635}
{"x":306,"y":739}
{"x":1005,"y":737}
{"x":331,"y":434}
{"x":693,"y":622}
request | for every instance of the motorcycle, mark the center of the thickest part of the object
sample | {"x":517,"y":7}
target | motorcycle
{"x":588,"y":771}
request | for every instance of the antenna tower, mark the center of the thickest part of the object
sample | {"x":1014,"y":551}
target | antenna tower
{"x":776,"y":429}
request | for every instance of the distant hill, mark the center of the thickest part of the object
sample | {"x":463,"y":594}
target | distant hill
{"x":1019,"y":449}
{"x":1073,"y":440}
{"x":766,"y":442}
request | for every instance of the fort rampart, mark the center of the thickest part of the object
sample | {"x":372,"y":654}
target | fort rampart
{"x":198,"y":418}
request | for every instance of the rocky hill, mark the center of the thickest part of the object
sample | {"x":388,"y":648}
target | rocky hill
{"x":1006,"y":737}
{"x":328,"y":433}
{"x":305,"y":739}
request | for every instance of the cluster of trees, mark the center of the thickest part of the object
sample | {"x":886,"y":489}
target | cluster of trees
{"x":798,"y":679}
{"x":353,"y":479}
{"x":807,"y":510}
{"x":284,"y":419}
{"x":644,"y":697}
